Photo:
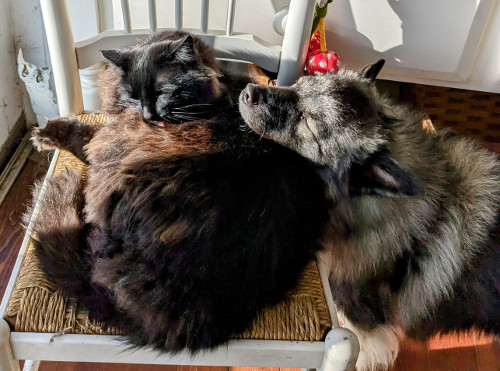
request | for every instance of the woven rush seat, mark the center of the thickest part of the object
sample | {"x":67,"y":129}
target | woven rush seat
{"x":37,"y":305}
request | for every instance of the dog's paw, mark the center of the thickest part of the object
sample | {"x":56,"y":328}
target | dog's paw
{"x":379,"y":346}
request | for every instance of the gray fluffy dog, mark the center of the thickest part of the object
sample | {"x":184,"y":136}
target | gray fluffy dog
{"x":413,"y":232}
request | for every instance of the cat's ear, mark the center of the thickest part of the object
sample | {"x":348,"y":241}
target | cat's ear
{"x":117,"y":57}
{"x":381,"y":175}
{"x":371,"y":71}
{"x":183,"y":49}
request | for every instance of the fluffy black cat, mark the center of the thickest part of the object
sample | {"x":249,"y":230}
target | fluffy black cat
{"x":170,"y":77}
{"x":191,"y":226}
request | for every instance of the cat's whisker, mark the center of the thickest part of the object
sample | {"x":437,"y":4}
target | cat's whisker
{"x":262,"y":135}
{"x":197,"y":104}
{"x":191,"y":113}
{"x":187,"y":118}
{"x":181,"y":112}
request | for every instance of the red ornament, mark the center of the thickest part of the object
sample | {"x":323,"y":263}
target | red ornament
{"x":321,"y":61}
{"x":315,"y":43}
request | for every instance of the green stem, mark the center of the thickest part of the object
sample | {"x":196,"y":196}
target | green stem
{"x":318,"y":14}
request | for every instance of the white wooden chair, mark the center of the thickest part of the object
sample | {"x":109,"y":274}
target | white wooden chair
{"x":340,"y":348}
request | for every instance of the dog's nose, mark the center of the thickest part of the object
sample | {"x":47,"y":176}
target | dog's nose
{"x":251,"y":95}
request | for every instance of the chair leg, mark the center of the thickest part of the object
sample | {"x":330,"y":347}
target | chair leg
{"x":30,"y":365}
{"x":341,"y":350}
{"x":7,"y":361}
{"x":295,"y":41}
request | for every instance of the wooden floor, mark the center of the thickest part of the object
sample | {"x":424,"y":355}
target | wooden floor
{"x":466,"y":353}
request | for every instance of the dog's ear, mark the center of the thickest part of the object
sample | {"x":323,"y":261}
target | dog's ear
{"x":371,"y":71}
{"x":381,"y":175}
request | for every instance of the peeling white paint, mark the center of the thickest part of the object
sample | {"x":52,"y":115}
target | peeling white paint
{"x":10,"y":91}
{"x":29,"y":35}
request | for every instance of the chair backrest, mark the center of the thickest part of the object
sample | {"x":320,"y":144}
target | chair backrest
{"x":68,"y":57}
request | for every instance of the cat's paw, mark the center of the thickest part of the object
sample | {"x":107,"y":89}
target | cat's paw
{"x":49,"y":137}
{"x":40,"y":141}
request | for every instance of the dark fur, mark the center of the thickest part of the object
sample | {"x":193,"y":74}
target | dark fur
{"x":194,"y":226}
{"x":171,"y":77}
{"x":414,"y":214}
{"x":61,"y":232}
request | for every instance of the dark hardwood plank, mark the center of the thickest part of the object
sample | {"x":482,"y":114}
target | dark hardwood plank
{"x":453,"y":352}
{"x":488,"y":356}
{"x":11,"y":210}
{"x":87,"y":366}
{"x":488,"y":352}
{"x":413,"y":356}
{"x":454,"y":359}
{"x":260,"y":369}
{"x":201,"y":368}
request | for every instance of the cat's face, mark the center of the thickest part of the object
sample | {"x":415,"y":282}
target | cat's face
{"x":167,"y":81}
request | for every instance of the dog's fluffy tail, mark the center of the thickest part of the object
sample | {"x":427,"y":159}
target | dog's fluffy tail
{"x":60,"y":235}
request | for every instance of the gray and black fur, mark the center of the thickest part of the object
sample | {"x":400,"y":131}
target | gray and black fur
{"x":414,"y":215}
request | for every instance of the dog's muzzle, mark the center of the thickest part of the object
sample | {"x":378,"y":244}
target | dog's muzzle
{"x":251,"y":95}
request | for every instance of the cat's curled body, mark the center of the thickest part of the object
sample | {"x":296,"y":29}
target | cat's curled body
{"x":189,"y":228}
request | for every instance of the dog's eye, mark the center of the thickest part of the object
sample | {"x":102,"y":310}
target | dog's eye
{"x":303,"y":117}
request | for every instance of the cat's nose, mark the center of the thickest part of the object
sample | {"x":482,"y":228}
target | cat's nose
{"x":251,"y":94}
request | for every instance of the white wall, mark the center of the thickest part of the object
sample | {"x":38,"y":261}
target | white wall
{"x":448,"y":42}
{"x":10,"y":91}
{"x":29,"y":35}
